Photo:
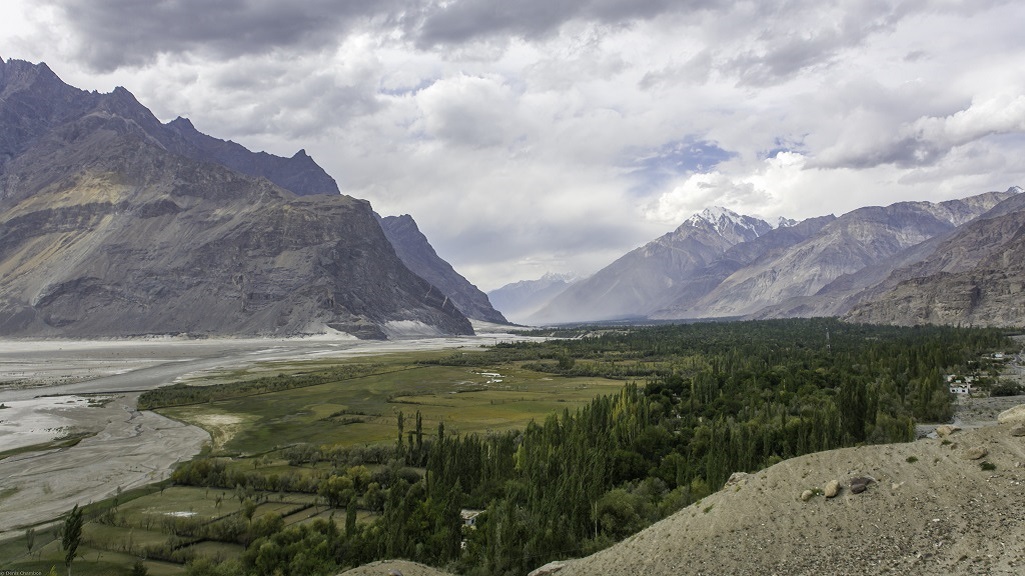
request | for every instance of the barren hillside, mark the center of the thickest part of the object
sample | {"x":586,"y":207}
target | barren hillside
{"x":946,"y":505}
{"x":930,"y":508}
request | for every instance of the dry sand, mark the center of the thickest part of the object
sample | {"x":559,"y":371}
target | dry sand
{"x":130,"y":449}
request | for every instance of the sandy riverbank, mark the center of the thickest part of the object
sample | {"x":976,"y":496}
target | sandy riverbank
{"x":130,"y":449}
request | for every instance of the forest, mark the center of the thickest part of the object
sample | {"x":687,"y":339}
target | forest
{"x":698,"y":402}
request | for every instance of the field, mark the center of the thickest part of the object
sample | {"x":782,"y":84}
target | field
{"x":169,"y":525}
{"x":364,"y":410}
{"x":320,"y":465}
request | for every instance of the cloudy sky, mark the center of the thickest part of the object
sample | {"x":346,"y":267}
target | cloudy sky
{"x":556,"y":135}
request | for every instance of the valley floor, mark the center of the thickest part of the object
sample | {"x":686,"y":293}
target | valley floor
{"x":85,"y":393}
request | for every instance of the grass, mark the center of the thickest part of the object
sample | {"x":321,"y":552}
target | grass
{"x":91,"y":561}
{"x":364,"y":410}
{"x":196,"y":503}
{"x":353,"y":411}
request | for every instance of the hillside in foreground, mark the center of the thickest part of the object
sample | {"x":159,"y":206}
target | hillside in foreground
{"x":930,"y":507}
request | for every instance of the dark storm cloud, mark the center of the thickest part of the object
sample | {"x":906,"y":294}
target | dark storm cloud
{"x":114,"y":33}
{"x":468,"y":20}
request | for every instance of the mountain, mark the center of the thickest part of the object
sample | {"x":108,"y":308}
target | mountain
{"x":113,"y":224}
{"x":419,"y":256}
{"x":39,"y":100}
{"x":521,"y":299}
{"x":973,"y":276}
{"x":299,"y":173}
{"x":737,"y":258}
{"x":719,"y":264}
{"x":856,"y":240}
{"x":650,"y":277}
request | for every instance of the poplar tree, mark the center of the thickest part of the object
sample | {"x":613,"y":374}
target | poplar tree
{"x":71,"y":536}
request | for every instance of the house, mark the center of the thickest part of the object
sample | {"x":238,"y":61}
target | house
{"x":960,"y":388}
{"x":469,"y":517}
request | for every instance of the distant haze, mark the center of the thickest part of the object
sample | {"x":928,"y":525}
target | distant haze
{"x":541,"y":136}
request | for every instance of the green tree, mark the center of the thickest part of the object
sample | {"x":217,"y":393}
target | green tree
{"x":350,"y":518}
{"x":139,"y":569}
{"x":71,"y":536}
{"x":336,"y":490}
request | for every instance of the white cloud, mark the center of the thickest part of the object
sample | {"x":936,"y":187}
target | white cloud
{"x":470,"y":111}
{"x":998,"y":114}
{"x":512,"y":135}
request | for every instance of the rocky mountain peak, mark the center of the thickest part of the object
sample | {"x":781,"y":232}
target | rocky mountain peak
{"x":416,"y":252}
{"x":728,"y":224}
{"x":115,"y":224}
{"x":20,"y":76}
{"x":558,"y":277}
{"x":182,"y":123}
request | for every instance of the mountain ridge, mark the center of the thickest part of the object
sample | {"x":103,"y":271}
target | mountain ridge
{"x":418,"y":255}
{"x":824,"y":266}
{"x":641,"y":281}
{"x":109,"y":232}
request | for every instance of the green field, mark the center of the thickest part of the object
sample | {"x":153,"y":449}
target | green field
{"x":364,"y":410}
{"x":171,"y":526}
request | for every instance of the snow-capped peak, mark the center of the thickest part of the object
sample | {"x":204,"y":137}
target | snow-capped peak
{"x":1016,"y":189}
{"x":784,"y":222}
{"x":726,"y":221}
{"x":555,"y":277}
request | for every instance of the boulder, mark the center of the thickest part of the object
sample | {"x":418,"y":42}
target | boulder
{"x":1018,"y":430}
{"x":946,"y":430}
{"x":1014,"y":415}
{"x":832,"y":489}
{"x":975,"y":453}
{"x":737,"y":479}
{"x":859,"y":484}
{"x":549,"y":568}
{"x":807,"y":495}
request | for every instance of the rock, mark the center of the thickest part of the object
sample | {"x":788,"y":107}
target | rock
{"x":413,"y":248}
{"x":1014,"y":415}
{"x":737,"y":478}
{"x":549,"y":568}
{"x":807,"y":495}
{"x":946,"y":430}
{"x":975,"y":453}
{"x":1018,"y":430}
{"x":199,"y":248}
{"x":832,"y":489}
{"x":859,"y":484}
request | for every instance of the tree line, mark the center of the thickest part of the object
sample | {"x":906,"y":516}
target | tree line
{"x":703,"y":401}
